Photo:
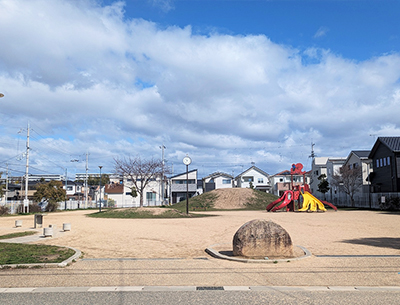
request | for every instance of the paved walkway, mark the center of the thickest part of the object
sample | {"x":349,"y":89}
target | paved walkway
{"x":351,"y":272}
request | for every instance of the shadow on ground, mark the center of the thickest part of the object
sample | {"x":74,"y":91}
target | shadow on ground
{"x":381,"y":242}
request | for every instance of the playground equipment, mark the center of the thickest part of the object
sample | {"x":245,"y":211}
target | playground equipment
{"x":288,"y":198}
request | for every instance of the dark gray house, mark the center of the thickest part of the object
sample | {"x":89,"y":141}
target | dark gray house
{"x":385,"y":156}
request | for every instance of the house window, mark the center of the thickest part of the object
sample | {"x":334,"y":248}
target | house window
{"x":388,"y":160}
{"x":191,"y":181}
{"x":150,"y":196}
{"x":384,"y":161}
{"x":380,"y":162}
{"x":248,"y":179}
{"x":69,"y":188}
{"x":226,"y":181}
{"x":377,"y":162}
{"x":260,"y":180}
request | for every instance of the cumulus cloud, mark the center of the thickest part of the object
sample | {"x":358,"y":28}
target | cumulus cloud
{"x":92,"y":80}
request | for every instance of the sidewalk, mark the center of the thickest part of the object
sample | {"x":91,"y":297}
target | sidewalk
{"x":363,"y":251}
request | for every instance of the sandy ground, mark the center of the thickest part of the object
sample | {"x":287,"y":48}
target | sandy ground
{"x":329,"y":233}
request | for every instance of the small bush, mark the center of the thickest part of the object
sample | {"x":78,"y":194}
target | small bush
{"x":34,"y":208}
{"x":51,"y":207}
{"x":20,"y":209}
{"x":392,"y":204}
{"x":4,"y":210}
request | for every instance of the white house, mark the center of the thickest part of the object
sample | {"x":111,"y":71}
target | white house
{"x":324,"y":165}
{"x":120,"y":190}
{"x":254,"y":177}
{"x":179,"y":185}
{"x":356,"y":158}
{"x":217,"y":181}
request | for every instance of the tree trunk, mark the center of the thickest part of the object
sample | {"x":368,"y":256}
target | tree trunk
{"x":141,"y":201}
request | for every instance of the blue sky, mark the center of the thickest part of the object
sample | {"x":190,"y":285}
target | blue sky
{"x":356,"y":29}
{"x":227,"y":82}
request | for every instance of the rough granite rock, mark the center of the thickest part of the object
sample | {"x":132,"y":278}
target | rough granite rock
{"x":262,"y":238}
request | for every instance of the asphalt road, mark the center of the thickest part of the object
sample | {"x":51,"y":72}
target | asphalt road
{"x":204,"y":297}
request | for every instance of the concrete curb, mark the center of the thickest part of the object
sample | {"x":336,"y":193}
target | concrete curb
{"x":329,"y":289}
{"x":64,"y":263}
{"x":216,"y":254}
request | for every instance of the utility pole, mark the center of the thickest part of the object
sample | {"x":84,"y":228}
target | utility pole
{"x":7,"y":184}
{"x":26,"y":201}
{"x":162,"y":174}
{"x":170,"y":184}
{"x":66,"y":188}
{"x":86,"y":181}
{"x":100,"y":189}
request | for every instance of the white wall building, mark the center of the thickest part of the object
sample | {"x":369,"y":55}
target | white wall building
{"x":217,"y":181}
{"x":256,"y":177}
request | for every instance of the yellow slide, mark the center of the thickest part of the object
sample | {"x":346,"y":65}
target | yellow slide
{"x":311,"y":203}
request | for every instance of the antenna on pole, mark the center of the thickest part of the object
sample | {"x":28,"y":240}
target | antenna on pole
{"x":312,"y":156}
{"x":26,"y":201}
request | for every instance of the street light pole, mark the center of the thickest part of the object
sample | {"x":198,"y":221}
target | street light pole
{"x":100,"y":189}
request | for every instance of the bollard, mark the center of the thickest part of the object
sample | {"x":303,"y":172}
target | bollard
{"x":48,"y":232}
{"x":66,"y":227}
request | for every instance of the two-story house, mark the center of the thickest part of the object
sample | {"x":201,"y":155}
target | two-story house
{"x":120,"y":190}
{"x":282,"y":181}
{"x":254,"y":177}
{"x":217,"y":180}
{"x":179,"y":185}
{"x":329,"y":166}
{"x":385,"y":156}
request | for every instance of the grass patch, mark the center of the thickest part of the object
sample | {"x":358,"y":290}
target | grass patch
{"x":17,"y":234}
{"x":142,"y":213}
{"x":11,"y":253}
{"x":260,"y":200}
{"x":202,"y":202}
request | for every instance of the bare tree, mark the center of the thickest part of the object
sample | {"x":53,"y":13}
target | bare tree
{"x":141,"y":172}
{"x":349,"y":181}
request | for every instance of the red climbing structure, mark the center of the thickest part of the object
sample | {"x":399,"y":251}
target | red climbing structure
{"x":287,"y":200}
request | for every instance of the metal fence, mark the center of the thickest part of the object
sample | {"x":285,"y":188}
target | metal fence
{"x":376,"y":201}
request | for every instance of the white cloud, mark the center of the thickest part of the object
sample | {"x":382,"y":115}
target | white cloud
{"x":321,"y":32}
{"x":94,"y":81}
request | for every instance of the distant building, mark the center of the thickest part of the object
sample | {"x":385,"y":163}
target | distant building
{"x":255,"y":177}
{"x":281,"y":181}
{"x":385,"y":156}
{"x":178,"y":186}
{"x":217,"y":181}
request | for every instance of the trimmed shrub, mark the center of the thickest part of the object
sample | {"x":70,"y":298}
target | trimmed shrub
{"x":51,"y":207}
{"x":4,"y":210}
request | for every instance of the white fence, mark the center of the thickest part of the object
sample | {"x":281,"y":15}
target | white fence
{"x":81,"y":204}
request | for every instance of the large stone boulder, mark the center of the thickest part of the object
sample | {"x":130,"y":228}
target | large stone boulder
{"x":262,"y":238}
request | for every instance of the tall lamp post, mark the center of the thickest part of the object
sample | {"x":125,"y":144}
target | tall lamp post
{"x":100,"y":189}
{"x":187,"y":161}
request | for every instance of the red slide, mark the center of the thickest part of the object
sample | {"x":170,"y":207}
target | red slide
{"x":330,"y":204}
{"x":287,"y":197}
